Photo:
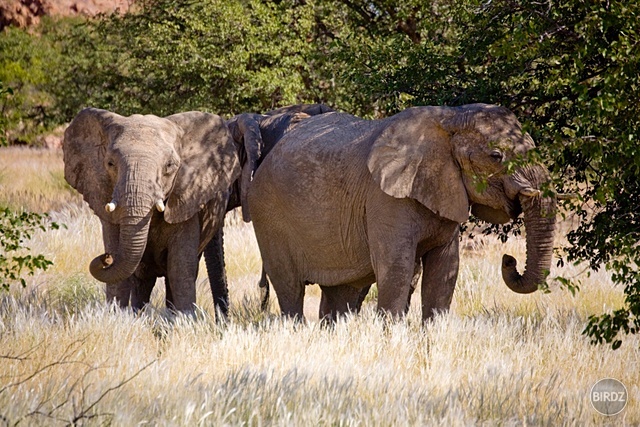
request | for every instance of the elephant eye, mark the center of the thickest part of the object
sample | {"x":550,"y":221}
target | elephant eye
{"x":496,"y":155}
{"x":170,"y":167}
{"x":111,"y":163}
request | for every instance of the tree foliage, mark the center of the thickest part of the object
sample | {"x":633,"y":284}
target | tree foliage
{"x":15,"y":261}
{"x":569,"y":69}
{"x":4,"y":94}
{"x":25,"y":64}
{"x":221,"y":56}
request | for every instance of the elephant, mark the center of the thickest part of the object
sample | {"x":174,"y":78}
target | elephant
{"x":345,"y":202}
{"x":254,"y":136}
{"x":160,"y":187}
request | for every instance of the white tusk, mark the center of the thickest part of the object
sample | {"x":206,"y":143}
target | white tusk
{"x":110,"y":207}
{"x":160,"y":205}
{"x":530,"y":192}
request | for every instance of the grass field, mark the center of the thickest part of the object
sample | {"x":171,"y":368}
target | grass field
{"x":496,"y":359}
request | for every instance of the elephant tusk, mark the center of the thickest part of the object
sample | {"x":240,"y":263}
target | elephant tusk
{"x":530,"y":192}
{"x":110,"y":207}
{"x":160,"y":205}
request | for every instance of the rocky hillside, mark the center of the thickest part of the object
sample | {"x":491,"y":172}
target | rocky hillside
{"x":25,"y":13}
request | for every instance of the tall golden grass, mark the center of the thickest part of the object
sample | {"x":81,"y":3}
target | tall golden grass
{"x":496,"y":358}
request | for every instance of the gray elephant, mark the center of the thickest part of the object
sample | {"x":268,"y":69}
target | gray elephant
{"x":345,"y":202}
{"x":160,"y":187}
{"x":254,"y":135}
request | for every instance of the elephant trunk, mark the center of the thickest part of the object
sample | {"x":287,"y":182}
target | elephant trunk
{"x":214,"y":259}
{"x":113,"y":268}
{"x":539,"y":222}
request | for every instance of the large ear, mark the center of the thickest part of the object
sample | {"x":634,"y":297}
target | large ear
{"x":413,"y":157}
{"x":208,"y":163}
{"x":246,"y":130}
{"x":84,"y":146}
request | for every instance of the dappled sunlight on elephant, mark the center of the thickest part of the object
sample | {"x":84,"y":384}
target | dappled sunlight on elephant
{"x":345,"y":202}
{"x":160,"y":187}
{"x":254,"y":136}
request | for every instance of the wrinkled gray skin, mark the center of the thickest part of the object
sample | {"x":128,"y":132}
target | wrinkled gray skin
{"x":254,"y":136}
{"x":129,"y":169}
{"x":343,"y":202}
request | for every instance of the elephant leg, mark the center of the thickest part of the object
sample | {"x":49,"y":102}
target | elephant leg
{"x":393,"y":246}
{"x":214,"y":259}
{"x":414,"y":284}
{"x":394,"y":286}
{"x":440,"y":272}
{"x":181,"y":288}
{"x":182,"y":265}
{"x":417,"y":271}
{"x":141,"y":291}
{"x":290,"y":293}
{"x":361,"y":296}
{"x":292,"y":303}
{"x":281,"y":264}
{"x":168,"y":298}
{"x":394,"y":266}
{"x":339,"y":300}
{"x":263,"y":284}
{"x":119,"y":293}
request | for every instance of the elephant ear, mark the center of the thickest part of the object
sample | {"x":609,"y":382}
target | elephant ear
{"x":413,"y":157}
{"x":208,"y":163}
{"x":245,"y":129}
{"x":84,"y":147}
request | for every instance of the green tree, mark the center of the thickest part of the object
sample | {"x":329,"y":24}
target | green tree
{"x":221,"y":56}
{"x":569,"y":69}
{"x":15,"y":261}
{"x":4,"y":94}
{"x":25,"y":60}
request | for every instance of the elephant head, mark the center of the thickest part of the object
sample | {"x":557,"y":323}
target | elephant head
{"x":256,"y":134}
{"x":125,"y":167}
{"x":450,"y":159}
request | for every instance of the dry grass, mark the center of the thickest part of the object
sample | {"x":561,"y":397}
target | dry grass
{"x":33,"y":179}
{"x":496,"y":358}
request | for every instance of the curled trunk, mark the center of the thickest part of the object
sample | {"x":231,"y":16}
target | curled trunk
{"x":539,"y":221}
{"x":113,"y":268}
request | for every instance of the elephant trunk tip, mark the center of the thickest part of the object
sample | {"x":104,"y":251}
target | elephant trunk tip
{"x":522,"y":284}
{"x":107,"y":260}
{"x":99,"y":264}
{"x":508,"y":262}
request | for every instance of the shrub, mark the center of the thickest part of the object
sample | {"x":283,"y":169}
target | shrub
{"x":15,"y":229}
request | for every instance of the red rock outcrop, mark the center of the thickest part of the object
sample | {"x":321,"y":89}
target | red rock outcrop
{"x":26,"y":13}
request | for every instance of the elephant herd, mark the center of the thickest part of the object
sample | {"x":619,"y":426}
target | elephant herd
{"x":334,"y":199}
